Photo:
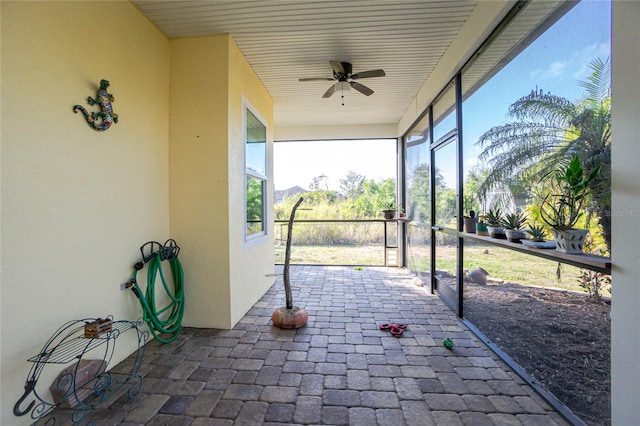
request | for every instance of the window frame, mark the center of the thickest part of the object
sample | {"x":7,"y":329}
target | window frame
{"x":255,"y":238}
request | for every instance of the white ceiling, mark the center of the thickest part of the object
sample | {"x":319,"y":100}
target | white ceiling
{"x":284,"y":40}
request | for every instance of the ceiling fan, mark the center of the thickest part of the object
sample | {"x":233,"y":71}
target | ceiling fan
{"x":342,"y":75}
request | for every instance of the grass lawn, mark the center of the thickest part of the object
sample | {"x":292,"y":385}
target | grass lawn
{"x":509,"y":266}
{"x":365,"y":255}
{"x":500,"y":263}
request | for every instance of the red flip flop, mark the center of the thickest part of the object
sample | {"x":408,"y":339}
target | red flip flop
{"x":396,"y":332}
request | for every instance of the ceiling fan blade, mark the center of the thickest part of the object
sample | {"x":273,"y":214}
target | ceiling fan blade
{"x":369,"y":74}
{"x":361,"y":88}
{"x":329,"y":91}
{"x":338,"y":67}
{"x":316,"y":79}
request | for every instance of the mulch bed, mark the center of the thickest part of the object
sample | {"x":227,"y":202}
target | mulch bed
{"x":561,"y":339}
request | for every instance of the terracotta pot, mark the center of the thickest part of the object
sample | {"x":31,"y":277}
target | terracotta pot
{"x":289,"y":318}
{"x":478,"y":276}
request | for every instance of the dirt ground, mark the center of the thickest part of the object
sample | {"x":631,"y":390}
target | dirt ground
{"x":561,"y":339}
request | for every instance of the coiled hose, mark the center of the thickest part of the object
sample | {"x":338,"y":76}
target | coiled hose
{"x":166,"y":320}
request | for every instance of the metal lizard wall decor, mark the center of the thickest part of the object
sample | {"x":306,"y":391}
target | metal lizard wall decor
{"x":103,"y":99}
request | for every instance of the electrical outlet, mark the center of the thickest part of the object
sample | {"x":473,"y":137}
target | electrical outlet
{"x":123,"y":286}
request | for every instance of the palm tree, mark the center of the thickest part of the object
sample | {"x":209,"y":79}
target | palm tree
{"x":547,"y":131}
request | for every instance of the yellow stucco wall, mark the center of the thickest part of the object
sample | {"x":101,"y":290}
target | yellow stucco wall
{"x":76,"y":203}
{"x":249,"y":263}
{"x":198,"y":169}
{"x":210,"y":78}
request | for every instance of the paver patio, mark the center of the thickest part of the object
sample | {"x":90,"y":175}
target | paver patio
{"x":339,"y":369}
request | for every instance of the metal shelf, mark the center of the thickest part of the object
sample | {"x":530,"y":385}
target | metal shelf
{"x":68,"y":345}
{"x":75,"y":346}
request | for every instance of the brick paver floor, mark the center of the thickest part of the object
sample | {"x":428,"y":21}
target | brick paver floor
{"x":340,"y":369}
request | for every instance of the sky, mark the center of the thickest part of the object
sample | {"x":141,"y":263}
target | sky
{"x":553,"y":63}
{"x":297,"y":163}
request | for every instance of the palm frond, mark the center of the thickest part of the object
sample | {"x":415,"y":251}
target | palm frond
{"x":541,"y":106}
{"x":598,"y":83}
{"x":500,"y":140}
{"x":525,"y":161}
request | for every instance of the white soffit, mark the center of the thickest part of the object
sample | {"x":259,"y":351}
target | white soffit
{"x":284,"y":40}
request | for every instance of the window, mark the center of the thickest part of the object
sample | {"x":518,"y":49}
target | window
{"x":418,"y":199}
{"x":256,"y":174}
{"x":418,"y":170}
{"x":444,"y":113}
{"x":445,"y":157}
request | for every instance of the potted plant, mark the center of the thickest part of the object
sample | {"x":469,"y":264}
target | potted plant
{"x":481,"y":226}
{"x":388,"y":209}
{"x":537,"y":233}
{"x":470,"y":222}
{"x":494,"y":223}
{"x":538,"y":238}
{"x":513,"y":224}
{"x":562,"y":208}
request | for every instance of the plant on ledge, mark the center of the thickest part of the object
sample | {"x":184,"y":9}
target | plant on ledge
{"x":388,"y":209}
{"x":494,"y":217}
{"x":562,"y":208}
{"x":537,"y":233}
{"x":515,"y":221}
{"x":470,"y":222}
{"x":513,"y":224}
{"x":494,"y":223}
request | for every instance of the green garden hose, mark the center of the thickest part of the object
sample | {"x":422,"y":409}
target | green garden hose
{"x":166,"y":320}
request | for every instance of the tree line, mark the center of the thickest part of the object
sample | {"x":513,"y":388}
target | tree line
{"x":357,"y":198}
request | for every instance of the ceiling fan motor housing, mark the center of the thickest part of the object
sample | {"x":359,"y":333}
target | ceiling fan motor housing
{"x":344,"y":73}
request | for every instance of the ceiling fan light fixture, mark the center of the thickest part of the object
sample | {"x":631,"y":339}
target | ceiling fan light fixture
{"x":344,"y":87}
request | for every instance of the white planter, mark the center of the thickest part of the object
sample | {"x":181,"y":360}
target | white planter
{"x":570,"y":241}
{"x":539,"y":244}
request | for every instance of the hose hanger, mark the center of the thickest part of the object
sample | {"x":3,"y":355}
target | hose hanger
{"x":149,"y":250}
{"x":166,"y":320}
